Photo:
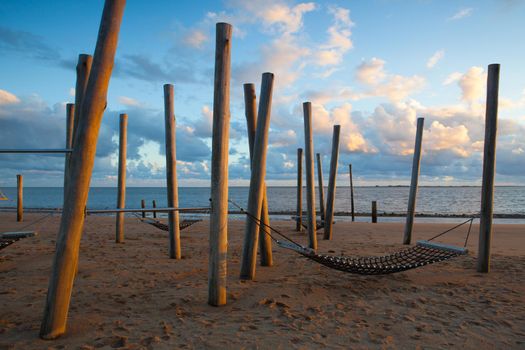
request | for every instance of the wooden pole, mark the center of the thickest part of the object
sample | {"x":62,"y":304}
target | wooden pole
{"x":413,"y":183}
{"x":352,"y":193}
{"x":374,"y":212}
{"x":320,"y":186}
{"x":217,"y":272}
{"x":143,"y":205}
{"x":20,"y":198}
{"x":83,"y":71}
{"x":171,"y":172}
{"x":121,"y":182}
{"x":265,"y":241}
{"x":82,"y":160}
{"x":256,"y":193}
{"x":154,"y":205}
{"x":330,"y":200}
{"x":309,"y":164}
{"x":489,"y":169}
{"x":70,"y":123}
{"x":299,"y":220}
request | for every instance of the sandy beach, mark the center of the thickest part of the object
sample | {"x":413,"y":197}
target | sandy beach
{"x":132,"y":296}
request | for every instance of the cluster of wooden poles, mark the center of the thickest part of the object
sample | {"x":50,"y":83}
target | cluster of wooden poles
{"x":93,"y":76}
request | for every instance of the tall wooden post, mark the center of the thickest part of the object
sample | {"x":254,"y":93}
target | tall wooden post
{"x":413,"y":183}
{"x":309,"y":164}
{"x":121,"y":182}
{"x":83,"y":71}
{"x":258,"y":173}
{"x":20,"y":198}
{"x":82,"y":160}
{"x":489,"y":169}
{"x":265,"y":242}
{"x":320,"y":186}
{"x":219,"y":168}
{"x":171,"y":172}
{"x":143,"y":206}
{"x":299,"y":220}
{"x":154,"y":205}
{"x":70,"y":123}
{"x":351,"y":193}
{"x":374,"y":212}
{"x":330,"y":200}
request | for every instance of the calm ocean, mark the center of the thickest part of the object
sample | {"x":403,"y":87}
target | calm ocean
{"x":433,"y":201}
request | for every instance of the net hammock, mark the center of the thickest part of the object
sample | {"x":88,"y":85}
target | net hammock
{"x":422,"y":254}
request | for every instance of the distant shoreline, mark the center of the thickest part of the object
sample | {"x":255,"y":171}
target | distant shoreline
{"x":292,"y":213}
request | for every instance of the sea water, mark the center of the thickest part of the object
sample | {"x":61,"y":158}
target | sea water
{"x":431,"y":201}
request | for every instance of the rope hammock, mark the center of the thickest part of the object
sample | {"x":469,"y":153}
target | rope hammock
{"x":8,"y":238}
{"x":423,"y":253}
{"x":162,"y":226}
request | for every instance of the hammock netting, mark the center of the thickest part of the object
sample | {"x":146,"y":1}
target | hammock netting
{"x":8,"y":238}
{"x":424,"y":253}
{"x":5,"y":242}
{"x":162,"y":226}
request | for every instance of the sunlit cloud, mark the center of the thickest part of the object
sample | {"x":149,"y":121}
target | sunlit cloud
{"x":462,"y":13}
{"x":7,"y":98}
{"x":435,"y":58}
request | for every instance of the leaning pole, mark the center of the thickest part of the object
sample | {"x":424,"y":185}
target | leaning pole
{"x":265,"y":241}
{"x":489,"y":169}
{"x":82,"y":161}
{"x":258,"y":173}
{"x":217,"y":264}
{"x":407,"y":238}
{"x":330,"y":199}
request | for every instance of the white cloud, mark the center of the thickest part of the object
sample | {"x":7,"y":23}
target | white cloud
{"x":339,"y":41}
{"x":7,"y":98}
{"x":129,"y":102}
{"x":453,"y":77}
{"x":195,"y":38}
{"x":393,"y":86}
{"x":352,"y":139}
{"x":462,"y":13}
{"x":371,"y":72}
{"x":472,"y":84}
{"x":281,"y":17}
{"x":454,"y":138}
{"x":436,"y":57}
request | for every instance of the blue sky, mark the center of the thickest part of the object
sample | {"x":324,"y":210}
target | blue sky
{"x":371,"y":66}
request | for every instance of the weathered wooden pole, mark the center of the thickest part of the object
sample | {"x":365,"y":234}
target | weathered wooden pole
{"x":20,"y":198}
{"x":70,"y":123}
{"x":154,"y":205}
{"x":489,"y":169}
{"x":413,"y":183}
{"x":351,"y":193}
{"x":171,"y":172}
{"x":217,"y":271}
{"x":320,"y":186}
{"x":258,"y":173}
{"x":330,"y":200}
{"x":374,"y":212}
{"x":82,"y":160}
{"x":143,"y":205}
{"x":265,"y":241}
{"x":299,"y":220}
{"x":309,"y":169}
{"x":83,"y":71}
{"x":121,"y":181}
